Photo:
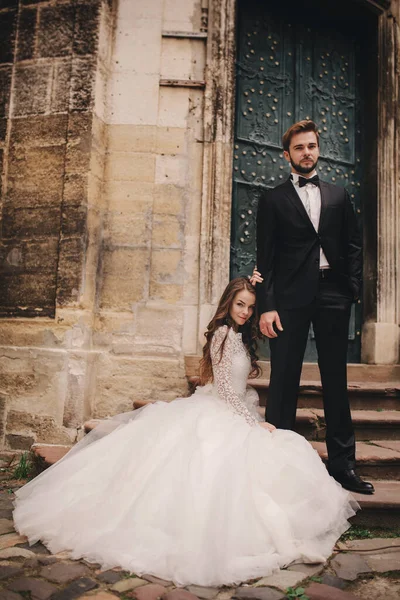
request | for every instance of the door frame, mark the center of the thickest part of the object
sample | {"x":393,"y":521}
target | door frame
{"x":380,"y":334}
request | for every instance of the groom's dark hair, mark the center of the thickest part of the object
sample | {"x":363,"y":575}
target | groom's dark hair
{"x":300,"y":127}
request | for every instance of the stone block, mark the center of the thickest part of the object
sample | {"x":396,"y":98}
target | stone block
{"x":130,"y":166}
{"x":23,"y":291}
{"x":79,"y":142}
{"x":19,"y":442}
{"x":132,"y":138}
{"x":168,"y":199}
{"x":153,"y":591}
{"x":26,"y":33}
{"x":86,"y":29}
{"x":171,"y":140}
{"x":102,"y":595}
{"x":5,"y":89}
{"x":3,"y":416}
{"x":384,"y":562}
{"x":130,"y":197}
{"x":63,"y":572}
{"x":11,"y":539}
{"x":349,"y":566}
{"x":60,"y":89}
{"x":139,"y":49}
{"x":167,"y":232}
{"x":40,"y":590}
{"x":166,"y":267}
{"x":36,"y":77}
{"x":189,"y":333}
{"x":56,"y":30}
{"x":75,"y":192}
{"x":159,"y":329}
{"x":82,"y":83}
{"x":126,"y":585}
{"x":135,"y":98}
{"x":205,"y":593}
{"x":121,"y":380}
{"x":260,"y":593}
{"x":125,"y":275}
{"x":35,"y":176}
{"x":9,"y":571}
{"x":173,"y":107}
{"x":167,"y":277}
{"x":179,"y":594}
{"x":135,"y":11}
{"x":70,"y":266}
{"x":9,"y":3}
{"x":16,"y":256}
{"x":183,"y":58}
{"x":34,"y":378}
{"x":73,"y":220}
{"x":43,"y":428}
{"x":8,"y":21}
{"x":75,"y":589}
{"x":3,"y":126}
{"x":27,"y":222}
{"x":181,"y":15}
{"x":172,"y":170}
{"x":44,"y":130}
{"x":380,"y":343}
{"x":128,"y":229}
{"x":319,"y":591}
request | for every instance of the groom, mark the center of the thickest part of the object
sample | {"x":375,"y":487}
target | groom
{"x":309,"y":254}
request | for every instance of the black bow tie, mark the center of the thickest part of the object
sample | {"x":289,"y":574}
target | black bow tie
{"x":303,"y":180}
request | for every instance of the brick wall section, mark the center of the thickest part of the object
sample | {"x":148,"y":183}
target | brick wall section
{"x":48,"y":57}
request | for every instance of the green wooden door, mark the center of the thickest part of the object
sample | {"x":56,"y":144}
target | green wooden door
{"x":287,"y":71}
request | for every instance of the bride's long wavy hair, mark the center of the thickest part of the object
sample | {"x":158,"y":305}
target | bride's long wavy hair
{"x":249,"y":330}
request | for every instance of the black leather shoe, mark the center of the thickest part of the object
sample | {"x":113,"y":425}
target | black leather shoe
{"x":352,"y":482}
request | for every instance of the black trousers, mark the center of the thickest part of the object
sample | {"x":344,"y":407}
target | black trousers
{"x":330,"y":314}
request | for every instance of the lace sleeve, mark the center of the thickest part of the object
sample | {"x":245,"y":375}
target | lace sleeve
{"x":222,"y":370}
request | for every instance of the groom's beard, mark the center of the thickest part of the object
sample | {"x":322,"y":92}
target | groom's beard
{"x":302,"y":169}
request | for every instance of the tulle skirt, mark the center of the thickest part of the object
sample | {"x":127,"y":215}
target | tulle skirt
{"x":189,"y":492}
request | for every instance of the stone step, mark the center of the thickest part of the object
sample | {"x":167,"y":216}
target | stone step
{"x":378,"y":459}
{"x":355,"y":372}
{"x":363,"y":395}
{"x":381,"y":509}
{"x":45,"y":455}
{"x":368,"y":424}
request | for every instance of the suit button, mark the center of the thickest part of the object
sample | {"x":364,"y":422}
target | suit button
{"x":317,"y":261}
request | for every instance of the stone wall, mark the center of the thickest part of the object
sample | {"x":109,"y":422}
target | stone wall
{"x":101,"y":146}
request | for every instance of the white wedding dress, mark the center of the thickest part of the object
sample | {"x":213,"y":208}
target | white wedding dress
{"x":193,"y":491}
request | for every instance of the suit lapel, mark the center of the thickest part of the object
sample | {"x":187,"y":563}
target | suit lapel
{"x":324,"y":202}
{"x":296,"y":201}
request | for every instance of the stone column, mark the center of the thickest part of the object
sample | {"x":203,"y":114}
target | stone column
{"x":381,"y":338}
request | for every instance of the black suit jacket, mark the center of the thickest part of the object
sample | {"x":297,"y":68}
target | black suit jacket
{"x":288,"y":246}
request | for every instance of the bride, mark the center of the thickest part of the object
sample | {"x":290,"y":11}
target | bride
{"x":198,"y":490}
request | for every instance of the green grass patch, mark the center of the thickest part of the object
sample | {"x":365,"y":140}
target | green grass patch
{"x":361,"y":533}
{"x":296,"y":594}
{"x":24,"y":468}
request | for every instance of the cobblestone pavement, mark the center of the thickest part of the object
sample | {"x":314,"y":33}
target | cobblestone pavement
{"x":368,"y":569}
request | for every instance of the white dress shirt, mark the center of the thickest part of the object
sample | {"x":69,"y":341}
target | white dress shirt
{"x":310,"y":195}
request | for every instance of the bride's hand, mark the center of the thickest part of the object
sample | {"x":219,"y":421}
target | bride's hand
{"x":256,"y":277}
{"x":268,"y":426}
